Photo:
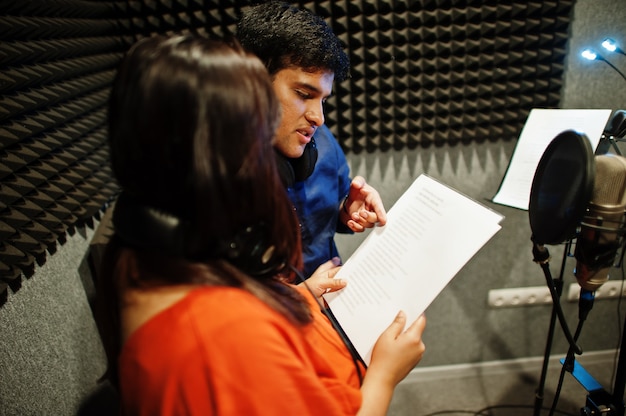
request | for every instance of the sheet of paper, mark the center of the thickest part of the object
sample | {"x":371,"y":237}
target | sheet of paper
{"x":541,"y":127}
{"x":431,"y":232}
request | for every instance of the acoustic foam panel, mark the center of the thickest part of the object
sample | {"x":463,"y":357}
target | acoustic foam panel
{"x":423,"y":73}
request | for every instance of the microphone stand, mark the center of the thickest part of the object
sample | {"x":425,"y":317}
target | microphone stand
{"x":541,"y":256}
{"x":569,"y":363}
{"x":599,"y":402}
{"x":620,"y":377}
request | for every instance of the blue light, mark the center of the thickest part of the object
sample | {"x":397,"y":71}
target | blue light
{"x":589,"y":54}
{"x":609,"y":45}
{"x":592,"y":55}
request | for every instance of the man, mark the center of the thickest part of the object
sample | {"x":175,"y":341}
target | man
{"x":304,"y":57}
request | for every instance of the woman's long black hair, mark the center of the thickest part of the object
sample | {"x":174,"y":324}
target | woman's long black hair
{"x":190,"y":129}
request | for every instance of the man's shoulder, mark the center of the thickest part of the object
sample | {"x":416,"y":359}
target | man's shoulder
{"x":326,"y":141}
{"x":323,"y":133}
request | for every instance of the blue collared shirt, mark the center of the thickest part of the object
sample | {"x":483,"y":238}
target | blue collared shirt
{"x":317,"y":201}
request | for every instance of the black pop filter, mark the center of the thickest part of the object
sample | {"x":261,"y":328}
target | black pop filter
{"x":562,"y":188}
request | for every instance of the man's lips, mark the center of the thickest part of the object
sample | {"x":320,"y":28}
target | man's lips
{"x":307,"y":134}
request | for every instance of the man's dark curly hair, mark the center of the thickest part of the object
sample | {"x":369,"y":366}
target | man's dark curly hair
{"x":284,"y":36}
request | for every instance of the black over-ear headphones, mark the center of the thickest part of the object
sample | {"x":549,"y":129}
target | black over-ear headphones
{"x":298,"y":169}
{"x":152,"y":229}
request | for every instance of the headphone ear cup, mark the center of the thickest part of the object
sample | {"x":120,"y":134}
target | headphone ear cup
{"x":285,"y":170}
{"x":252,"y":253}
{"x":304,"y":165}
{"x":297,"y":170}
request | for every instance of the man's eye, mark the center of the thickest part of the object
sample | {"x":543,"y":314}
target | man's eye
{"x":303,"y":94}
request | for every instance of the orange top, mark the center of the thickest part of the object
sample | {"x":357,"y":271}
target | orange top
{"x":222,"y":351}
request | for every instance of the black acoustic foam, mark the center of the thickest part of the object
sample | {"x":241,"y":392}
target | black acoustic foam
{"x":423,"y":73}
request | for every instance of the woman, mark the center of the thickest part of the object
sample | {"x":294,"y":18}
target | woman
{"x":198,"y":315}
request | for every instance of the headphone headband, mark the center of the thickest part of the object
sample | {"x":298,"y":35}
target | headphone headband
{"x":148,"y":227}
{"x":152,"y":229}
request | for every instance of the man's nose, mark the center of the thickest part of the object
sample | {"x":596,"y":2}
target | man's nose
{"x":315,"y":115}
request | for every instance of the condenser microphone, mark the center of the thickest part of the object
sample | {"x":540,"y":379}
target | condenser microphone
{"x":602,"y":225}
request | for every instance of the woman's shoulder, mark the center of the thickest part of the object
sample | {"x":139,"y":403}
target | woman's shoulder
{"x":213,"y":308}
{"x":235,"y":315}
{"x":226,"y":303}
